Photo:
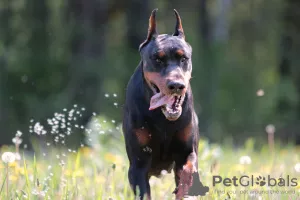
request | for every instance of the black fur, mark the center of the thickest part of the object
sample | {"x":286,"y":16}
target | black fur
{"x":165,"y":150}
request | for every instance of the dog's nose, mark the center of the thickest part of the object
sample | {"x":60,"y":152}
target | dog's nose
{"x":176,"y":87}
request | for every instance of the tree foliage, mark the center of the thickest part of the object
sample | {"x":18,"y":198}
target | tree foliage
{"x":54,"y":54}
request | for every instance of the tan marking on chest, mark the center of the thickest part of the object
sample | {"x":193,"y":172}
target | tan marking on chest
{"x":186,"y":133}
{"x":143,"y":136}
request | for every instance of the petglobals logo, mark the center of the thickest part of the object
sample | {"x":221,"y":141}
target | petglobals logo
{"x":255,"y":180}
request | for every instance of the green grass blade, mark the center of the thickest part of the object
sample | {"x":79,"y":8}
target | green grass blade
{"x":2,"y":186}
{"x":28,"y":187}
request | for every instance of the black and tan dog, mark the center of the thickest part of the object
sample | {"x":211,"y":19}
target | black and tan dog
{"x":160,"y":125}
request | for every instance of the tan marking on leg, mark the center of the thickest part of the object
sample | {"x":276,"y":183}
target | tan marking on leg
{"x":186,"y":176}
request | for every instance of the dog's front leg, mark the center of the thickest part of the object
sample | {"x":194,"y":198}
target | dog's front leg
{"x":138,"y":177}
{"x":187,"y":178}
{"x":184,"y":171}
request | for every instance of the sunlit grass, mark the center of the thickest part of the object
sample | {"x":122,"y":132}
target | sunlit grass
{"x":53,"y":172}
{"x":93,"y":174}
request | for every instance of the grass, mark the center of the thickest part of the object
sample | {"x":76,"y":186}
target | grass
{"x":102,"y":173}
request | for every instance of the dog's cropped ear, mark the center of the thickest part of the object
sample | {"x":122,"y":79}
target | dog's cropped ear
{"x":178,"y":28}
{"x":152,"y":33}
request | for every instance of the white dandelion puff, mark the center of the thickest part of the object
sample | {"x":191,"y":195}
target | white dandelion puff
{"x":245,"y":160}
{"x":270,"y":129}
{"x":8,"y":157}
{"x":260,"y":92}
{"x":17,"y":140}
{"x":39,"y":129}
{"x":297,"y":167}
{"x":18,"y":134}
{"x":17,"y":156}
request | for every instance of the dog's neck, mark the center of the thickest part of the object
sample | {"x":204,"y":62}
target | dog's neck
{"x":148,"y":92}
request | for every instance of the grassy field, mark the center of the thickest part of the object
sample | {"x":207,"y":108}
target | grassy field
{"x":101,"y":173}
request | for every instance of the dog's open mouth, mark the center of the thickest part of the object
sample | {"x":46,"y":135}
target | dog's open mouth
{"x":170,"y":104}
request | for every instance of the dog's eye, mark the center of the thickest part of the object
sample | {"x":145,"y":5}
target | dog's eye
{"x":183,"y":59}
{"x":159,"y":60}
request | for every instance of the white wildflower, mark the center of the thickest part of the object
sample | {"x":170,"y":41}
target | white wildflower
{"x":297,"y":167}
{"x":8,"y":157}
{"x":38,"y":193}
{"x":260,"y":92}
{"x":270,"y":129}
{"x":17,"y":140}
{"x":39,"y":129}
{"x":245,"y":160}
{"x":18,"y":134}
{"x":17,"y":156}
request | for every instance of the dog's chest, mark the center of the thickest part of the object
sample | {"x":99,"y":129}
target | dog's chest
{"x":162,"y":154}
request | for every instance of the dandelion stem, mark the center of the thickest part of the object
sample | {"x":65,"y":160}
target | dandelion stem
{"x":7,"y":180}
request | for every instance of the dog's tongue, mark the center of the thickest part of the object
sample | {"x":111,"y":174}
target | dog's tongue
{"x":160,"y":99}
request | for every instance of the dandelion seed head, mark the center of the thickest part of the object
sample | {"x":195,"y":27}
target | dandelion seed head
{"x":297,"y":167}
{"x":39,"y":129}
{"x":8,"y":157}
{"x":245,"y":160}
{"x":270,"y":129}
{"x":260,"y":92}
{"x":17,"y":156}
{"x":17,"y":140}
{"x":18,"y":134}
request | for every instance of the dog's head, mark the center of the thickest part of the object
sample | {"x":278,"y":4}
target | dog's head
{"x":167,"y":67}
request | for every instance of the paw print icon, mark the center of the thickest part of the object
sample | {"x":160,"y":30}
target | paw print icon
{"x":261,"y":181}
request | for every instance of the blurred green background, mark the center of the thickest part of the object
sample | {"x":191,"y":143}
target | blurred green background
{"x":246,"y":65}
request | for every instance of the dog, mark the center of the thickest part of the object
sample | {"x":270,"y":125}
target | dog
{"x":160,"y":125}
